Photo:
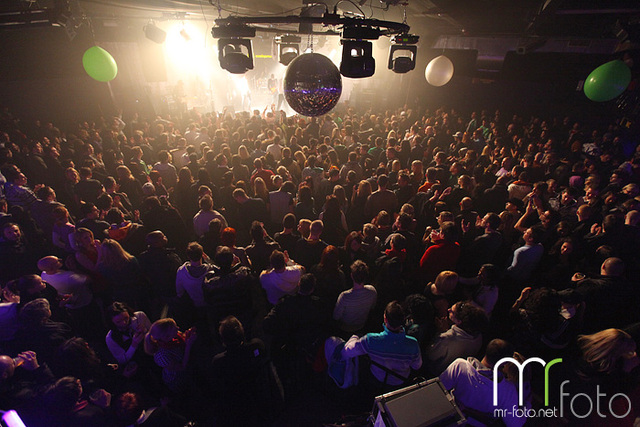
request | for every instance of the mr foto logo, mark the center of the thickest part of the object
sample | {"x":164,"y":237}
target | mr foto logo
{"x":547,"y":367}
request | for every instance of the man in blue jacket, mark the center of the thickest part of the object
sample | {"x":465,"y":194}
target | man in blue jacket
{"x":391,"y":348}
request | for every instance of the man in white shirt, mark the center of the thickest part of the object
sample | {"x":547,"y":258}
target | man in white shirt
{"x":353,"y":306}
{"x":275,"y":148}
{"x":283,"y":277}
{"x":190,"y":276}
{"x":206,"y":214}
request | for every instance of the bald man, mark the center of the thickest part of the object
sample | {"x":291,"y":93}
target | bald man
{"x":611,"y":300}
{"x":18,"y":387}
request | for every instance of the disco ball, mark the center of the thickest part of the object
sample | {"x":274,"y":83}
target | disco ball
{"x":312,"y":84}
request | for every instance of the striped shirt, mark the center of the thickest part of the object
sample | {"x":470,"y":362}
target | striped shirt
{"x":353,"y":307}
{"x":17,"y":195}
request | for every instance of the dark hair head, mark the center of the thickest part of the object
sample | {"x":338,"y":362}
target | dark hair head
{"x":398,"y":241}
{"x":215,"y":225}
{"x":307,"y":284}
{"x":194,"y":252}
{"x":63,"y":395}
{"x":493,"y":220}
{"x":289,"y":221}
{"x":354,"y":235}
{"x":359,"y":271}
{"x":537,"y":234}
{"x":86,"y":208}
{"x":231,"y":331}
{"x":542,"y":307}
{"x":420,"y":309}
{"x":114,"y":216}
{"x":76,"y":358}
{"x":104,"y":201}
{"x":44,"y":192}
{"x":155,"y":239}
{"x":449,"y":232}
{"x":277,"y":260}
{"x":115,"y":309}
{"x":224,"y":258}
{"x":257,"y":231}
{"x":497,"y":349}
{"x":405,"y":220}
{"x":394,"y":314}
{"x":473,"y":319}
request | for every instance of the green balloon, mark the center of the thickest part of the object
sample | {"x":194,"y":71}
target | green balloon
{"x":607,"y":81}
{"x":99,"y":64}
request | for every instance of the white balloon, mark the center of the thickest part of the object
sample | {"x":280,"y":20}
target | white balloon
{"x":439,"y":71}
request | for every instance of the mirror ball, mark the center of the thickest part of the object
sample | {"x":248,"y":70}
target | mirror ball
{"x":312,"y":84}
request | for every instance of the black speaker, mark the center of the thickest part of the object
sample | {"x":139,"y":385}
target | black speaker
{"x":425,"y":404}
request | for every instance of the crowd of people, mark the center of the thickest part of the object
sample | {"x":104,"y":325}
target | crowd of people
{"x":165,"y":270}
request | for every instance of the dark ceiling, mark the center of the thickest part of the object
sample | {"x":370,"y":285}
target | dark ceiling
{"x":590,"y":19}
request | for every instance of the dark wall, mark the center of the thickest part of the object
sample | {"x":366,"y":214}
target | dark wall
{"x":41,"y":76}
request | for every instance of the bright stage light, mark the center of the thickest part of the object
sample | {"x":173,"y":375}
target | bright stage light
{"x":189,"y":55}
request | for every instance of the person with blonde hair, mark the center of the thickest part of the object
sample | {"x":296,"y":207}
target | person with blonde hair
{"x":260,"y":190}
{"x":603,"y":374}
{"x":171,"y":350}
{"x":122,"y":272}
{"x":611,"y":351}
{"x":86,"y":249}
{"x":129,"y":185}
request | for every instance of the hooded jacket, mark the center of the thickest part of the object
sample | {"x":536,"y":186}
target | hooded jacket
{"x":189,"y":279}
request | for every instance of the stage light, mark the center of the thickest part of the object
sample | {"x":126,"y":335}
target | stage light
{"x":357,"y":59}
{"x":402,"y":54}
{"x":154,"y":33}
{"x":185,"y":35}
{"x":288,"y":48}
{"x":235,"y":55}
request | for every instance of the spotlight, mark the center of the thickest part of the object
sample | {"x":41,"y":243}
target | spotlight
{"x":185,"y":35}
{"x":357,"y":59}
{"x":154,"y":33}
{"x":288,"y":48}
{"x":402,"y":54}
{"x":235,"y":55}
{"x":235,"y":51}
